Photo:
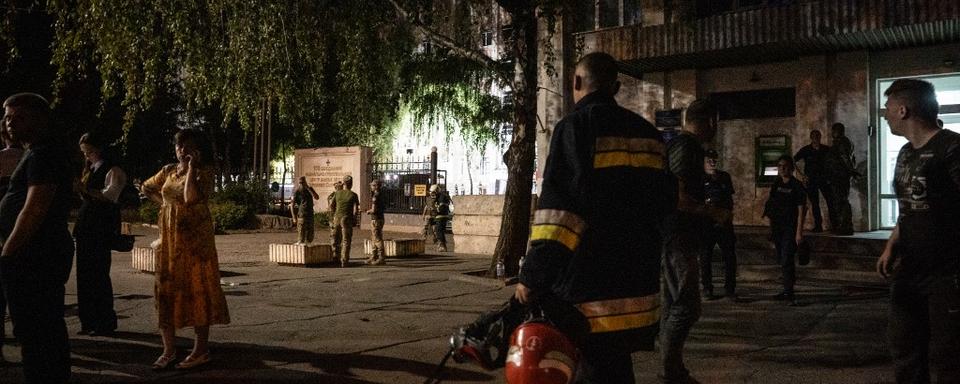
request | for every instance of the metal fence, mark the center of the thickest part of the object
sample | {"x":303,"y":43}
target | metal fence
{"x":405,"y":183}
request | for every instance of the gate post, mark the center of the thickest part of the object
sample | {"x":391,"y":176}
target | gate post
{"x":433,"y":166}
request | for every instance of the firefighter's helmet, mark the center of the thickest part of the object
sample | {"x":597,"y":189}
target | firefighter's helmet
{"x":540,"y":354}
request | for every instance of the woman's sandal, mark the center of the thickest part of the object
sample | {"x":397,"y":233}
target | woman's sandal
{"x":163,"y":362}
{"x":194,"y":361}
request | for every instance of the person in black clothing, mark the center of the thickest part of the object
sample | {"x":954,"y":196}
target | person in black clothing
{"x":594,"y":240}
{"x":9,"y":158}
{"x":840,"y":168}
{"x":37,"y":248}
{"x":786,"y":209}
{"x":816,"y":179}
{"x":719,"y":191}
{"x":98,"y":224}
{"x":922,"y":257}
{"x":683,"y":233}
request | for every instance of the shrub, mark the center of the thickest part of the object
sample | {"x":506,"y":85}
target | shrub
{"x":230,"y":215}
{"x":251,"y":194}
{"x":149,"y":212}
{"x":322,"y":219}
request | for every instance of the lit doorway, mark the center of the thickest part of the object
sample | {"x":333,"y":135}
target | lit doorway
{"x":948,"y":95}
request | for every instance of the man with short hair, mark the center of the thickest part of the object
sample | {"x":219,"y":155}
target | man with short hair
{"x":441,"y":215}
{"x":346,"y":210}
{"x":595,"y":240}
{"x":840,"y":168}
{"x":377,"y":206}
{"x":816,"y":179}
{"x":301,"y":208}
{"x":786,"y":209}
{"x":922,"y":257}
{"x":331,"y":209}
{"x":37,"y":246}
{"x":718,"y":187}
{"x":683,"y":237}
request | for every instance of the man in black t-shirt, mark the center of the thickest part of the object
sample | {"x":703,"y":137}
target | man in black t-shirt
{"x":840,"y":168}
{"x":816,"y":178}
{"x":37,"y":247}
{"x":719,"y":191}
{"x":786,"y":209}
{"x":922,"y":256}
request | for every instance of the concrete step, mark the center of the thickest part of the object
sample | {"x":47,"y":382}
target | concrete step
{"x":755,"y":273}
{"x":835,"y":258}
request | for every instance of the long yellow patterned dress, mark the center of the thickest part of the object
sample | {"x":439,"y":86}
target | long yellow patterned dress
{"x":187,"y":288}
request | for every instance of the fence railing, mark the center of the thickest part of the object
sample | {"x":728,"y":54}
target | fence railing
{"x":405,"y":184}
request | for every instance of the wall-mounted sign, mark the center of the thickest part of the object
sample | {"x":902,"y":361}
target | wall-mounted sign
{"x":668,"y":122}
{"x":420,"y":190}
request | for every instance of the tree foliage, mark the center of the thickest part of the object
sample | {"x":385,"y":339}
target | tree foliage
{"x":323,"y":64}
{"x":336,"y":72}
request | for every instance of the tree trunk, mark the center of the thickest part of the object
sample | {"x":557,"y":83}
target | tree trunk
{"x":515,"y":223}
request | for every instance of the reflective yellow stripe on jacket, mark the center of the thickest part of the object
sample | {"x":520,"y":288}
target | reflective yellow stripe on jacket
{"x":557,"y":225}
{"x":621,"y":314}
{"x":613,"y":151}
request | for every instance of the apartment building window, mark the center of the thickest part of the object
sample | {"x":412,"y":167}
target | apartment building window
{"x":707,"y":8}
{"x":585,"y":16}
{"x":609,"y":13}
{"x":632,"y":12}
{"x":506,"y":34}
{"x":486,"y":38}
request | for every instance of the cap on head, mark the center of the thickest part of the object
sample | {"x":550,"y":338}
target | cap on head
{"x":434,"y":188}
{"x":711,"y":154}
{"x":347,"y":179}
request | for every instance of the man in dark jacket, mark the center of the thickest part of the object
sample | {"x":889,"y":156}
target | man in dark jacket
{"x":840,"y":168}
{"x":595,"y":240}
{"x":683,"y":237}
{"x":718,"y":187}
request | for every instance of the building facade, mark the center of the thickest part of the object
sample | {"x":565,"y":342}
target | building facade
{"x":778,"y":69}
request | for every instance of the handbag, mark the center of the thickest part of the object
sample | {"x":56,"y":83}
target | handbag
{"x":122,"y":243}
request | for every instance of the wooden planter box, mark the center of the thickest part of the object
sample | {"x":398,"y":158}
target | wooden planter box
{"x":144,"y":259}
{"x":397,"y":247}
{"x":301,"y":254}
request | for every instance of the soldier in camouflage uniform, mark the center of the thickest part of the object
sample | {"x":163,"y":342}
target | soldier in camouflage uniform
{"x":302,"y":210}
{"x":347,"y":208}
{"x":429,"y":212}
{"x":376,"y":224}
{"x":334,"y":235}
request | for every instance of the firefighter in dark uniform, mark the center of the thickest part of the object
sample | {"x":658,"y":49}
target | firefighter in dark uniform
{"x":595,"y":240}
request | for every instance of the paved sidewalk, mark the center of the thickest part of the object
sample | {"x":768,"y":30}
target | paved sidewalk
{"x":390,"y":324}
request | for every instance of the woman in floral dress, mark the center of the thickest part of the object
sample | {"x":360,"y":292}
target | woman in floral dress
{"x":187,"y":288}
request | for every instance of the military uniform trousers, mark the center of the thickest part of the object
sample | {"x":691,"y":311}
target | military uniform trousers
{"x":305,"y":229}
{"x":376,"y":237}
{"x":343,"y":231}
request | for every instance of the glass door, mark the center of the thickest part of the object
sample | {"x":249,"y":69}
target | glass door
{"x":948,"y":95}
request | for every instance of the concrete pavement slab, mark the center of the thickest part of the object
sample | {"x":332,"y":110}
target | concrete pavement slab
{"x":390,"y":324}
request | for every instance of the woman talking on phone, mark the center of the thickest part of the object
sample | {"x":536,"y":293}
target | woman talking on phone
{"x":187,"y":288}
